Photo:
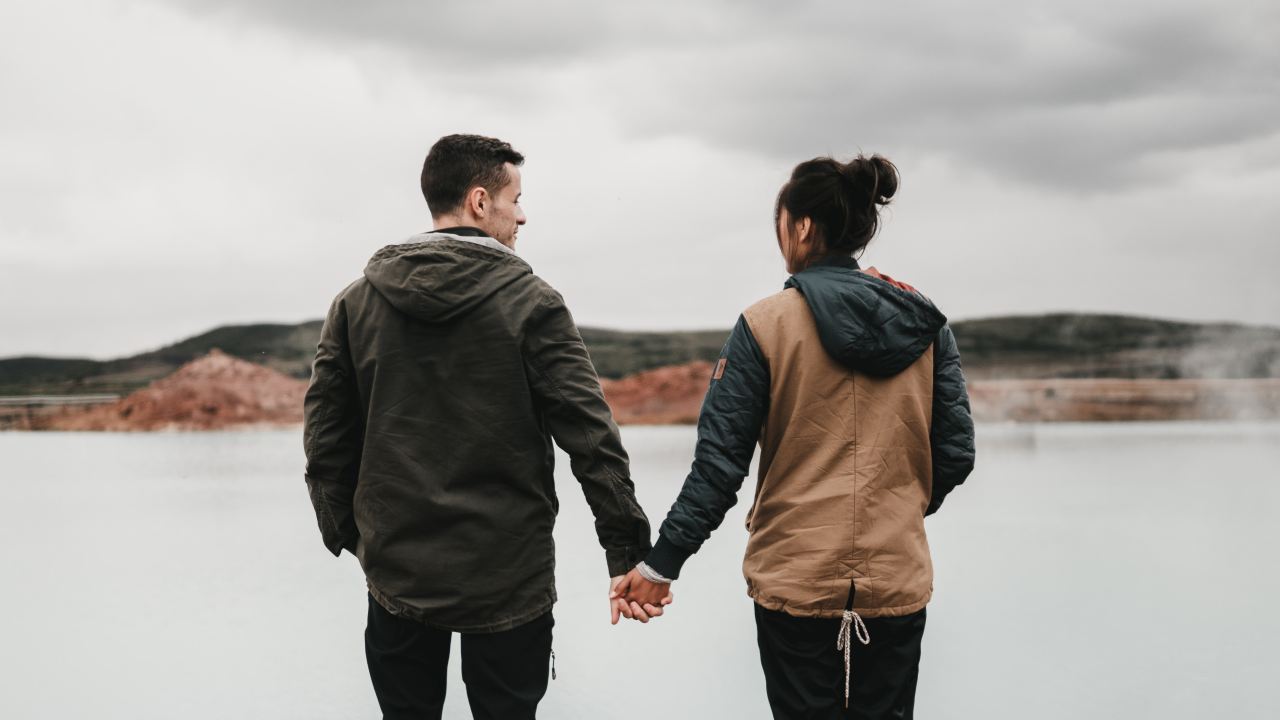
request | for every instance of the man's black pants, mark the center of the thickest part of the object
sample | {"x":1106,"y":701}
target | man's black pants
{"x":804,"y":672}
{"x":505,"y":672}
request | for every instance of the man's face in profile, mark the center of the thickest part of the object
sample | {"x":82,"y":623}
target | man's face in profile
{"x":504,"y":216}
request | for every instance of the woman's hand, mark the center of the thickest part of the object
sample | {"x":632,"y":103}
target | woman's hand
{"x":635,"y":598}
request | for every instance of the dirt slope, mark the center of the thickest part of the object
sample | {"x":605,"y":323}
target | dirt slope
{"x":212,"y":392}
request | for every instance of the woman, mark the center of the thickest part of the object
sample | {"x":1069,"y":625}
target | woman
{"x":851,"y":384}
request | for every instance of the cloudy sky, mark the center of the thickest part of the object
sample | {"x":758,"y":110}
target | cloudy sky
{"x":170,"y":166}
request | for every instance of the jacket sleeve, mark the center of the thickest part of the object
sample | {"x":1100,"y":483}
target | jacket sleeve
{"x":333,"y":434}
{"x":567,"y":393}
{"x":951,"y":432}
{"x":728,"y":430}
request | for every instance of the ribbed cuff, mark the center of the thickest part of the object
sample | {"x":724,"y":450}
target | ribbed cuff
{"x":653,"y":576}
{"x":667,"y":558}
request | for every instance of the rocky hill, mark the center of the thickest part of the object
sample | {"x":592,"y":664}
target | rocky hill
{"x":218,"y":391}
{"x":285,"y":348}
{"x":1115,"y":346}
{"x":213,"y":392}
{"x":1046,"y":346}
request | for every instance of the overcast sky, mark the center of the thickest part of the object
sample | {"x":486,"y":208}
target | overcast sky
{"x":173,"y":166}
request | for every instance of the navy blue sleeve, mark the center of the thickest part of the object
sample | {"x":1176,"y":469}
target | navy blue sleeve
{"x":728,"y":430}
{"x":951,"y":434}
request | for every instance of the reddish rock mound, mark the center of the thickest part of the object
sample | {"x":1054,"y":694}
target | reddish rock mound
{"x":209,"y":393}
{"x":665,"y":396}
{"x":673,"y":395}
{"x":1106,"y":400}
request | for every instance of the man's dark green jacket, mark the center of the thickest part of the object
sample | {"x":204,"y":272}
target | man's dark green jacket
{"x":440,"y":381}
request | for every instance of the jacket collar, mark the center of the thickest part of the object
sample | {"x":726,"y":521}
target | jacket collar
{"x":464,"y":233}
{"x":844,"y":261}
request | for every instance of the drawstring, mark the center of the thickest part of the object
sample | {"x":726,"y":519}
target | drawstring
{"x":852,"y":623}
{"x":553,"y":664}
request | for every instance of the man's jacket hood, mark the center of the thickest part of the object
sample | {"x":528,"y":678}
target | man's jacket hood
{"x":438,"y":279}
{"x":868,"y":321}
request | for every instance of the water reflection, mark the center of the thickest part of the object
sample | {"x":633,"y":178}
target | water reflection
{"x":1107,"y":571}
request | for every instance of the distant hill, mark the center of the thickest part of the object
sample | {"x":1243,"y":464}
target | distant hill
{"x":286,"y":348}
{"x":290,"y":349}
{"x":1114,"y":346}
{"x":212,"y":392}
{"x":1046,"y":346}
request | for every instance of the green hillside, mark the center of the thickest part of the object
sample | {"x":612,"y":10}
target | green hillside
{"x":290,"y":348}
{"x":1062,"y":345}
{"x":1115,"y":346}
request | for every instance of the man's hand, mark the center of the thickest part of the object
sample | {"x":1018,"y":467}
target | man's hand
{"x":617,"y":606}
{"x":635,"y":598}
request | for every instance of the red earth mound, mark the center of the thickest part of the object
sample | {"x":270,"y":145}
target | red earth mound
{"x":212,"y":392}
{"x":666,"y":396}
{"x":219,"y":391}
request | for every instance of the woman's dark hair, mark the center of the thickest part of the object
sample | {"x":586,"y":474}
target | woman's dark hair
{"x":457,"y":163}
{"x":841,"y":199}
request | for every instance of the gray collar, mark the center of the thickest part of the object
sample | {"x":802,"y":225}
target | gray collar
{"x":477,"y":240}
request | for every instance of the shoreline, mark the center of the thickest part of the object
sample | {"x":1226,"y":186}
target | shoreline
{"x":673,"y":396}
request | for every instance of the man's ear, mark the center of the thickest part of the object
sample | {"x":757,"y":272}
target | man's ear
{"x":478,"y":201}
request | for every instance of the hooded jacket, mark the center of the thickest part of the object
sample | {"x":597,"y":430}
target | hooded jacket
{"x":440,"y":381}
{"x":851,"y":384}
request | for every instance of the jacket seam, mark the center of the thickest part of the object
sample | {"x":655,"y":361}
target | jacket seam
{"x":326,"y":408}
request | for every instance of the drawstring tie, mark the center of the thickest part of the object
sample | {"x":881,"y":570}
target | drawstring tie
{"x":852,"y":623}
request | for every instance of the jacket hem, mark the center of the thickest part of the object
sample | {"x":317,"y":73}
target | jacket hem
{"x":769,"y":602}
{"x":417,"y":615}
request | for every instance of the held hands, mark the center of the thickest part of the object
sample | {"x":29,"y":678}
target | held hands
{"x":633,"y":597}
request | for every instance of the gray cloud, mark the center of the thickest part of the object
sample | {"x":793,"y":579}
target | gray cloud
{"x":193,"y":163}
{"x":1079,"y":96}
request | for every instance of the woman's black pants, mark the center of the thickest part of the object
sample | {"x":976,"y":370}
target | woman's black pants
{"x":804,"y":672}
{"x":505,"y":672}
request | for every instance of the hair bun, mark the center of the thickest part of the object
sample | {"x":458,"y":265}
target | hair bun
{"x":875,"y":176}
{"x":842,"y":199}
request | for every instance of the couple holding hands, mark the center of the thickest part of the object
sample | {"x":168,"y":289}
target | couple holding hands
{"x":446,"y":372}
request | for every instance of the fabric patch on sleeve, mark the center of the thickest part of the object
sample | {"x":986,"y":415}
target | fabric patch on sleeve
{"x":720,"y":366}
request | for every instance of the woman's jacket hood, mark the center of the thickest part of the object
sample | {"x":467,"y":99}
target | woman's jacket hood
{"x":868,"y":321}
{"x":438,"y":279}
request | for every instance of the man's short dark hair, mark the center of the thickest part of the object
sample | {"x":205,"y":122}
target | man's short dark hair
{"x":457,"y":163}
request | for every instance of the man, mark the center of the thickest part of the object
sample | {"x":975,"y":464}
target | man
{"x":440,"y":380}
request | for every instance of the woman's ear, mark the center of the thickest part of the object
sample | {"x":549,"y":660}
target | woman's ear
{"x":804,"y":231}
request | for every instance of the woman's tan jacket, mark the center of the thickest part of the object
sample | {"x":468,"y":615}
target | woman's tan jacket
{"x":850,"y":383}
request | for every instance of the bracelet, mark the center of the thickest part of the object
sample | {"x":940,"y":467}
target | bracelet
{"x":651,"y":575}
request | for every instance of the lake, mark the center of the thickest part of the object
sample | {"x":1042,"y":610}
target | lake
{"x":1085,"y":571}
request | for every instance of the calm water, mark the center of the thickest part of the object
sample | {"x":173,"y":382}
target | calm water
{"x":1085,"y":571}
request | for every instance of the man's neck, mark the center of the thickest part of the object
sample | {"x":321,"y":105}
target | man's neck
{"x":452,"y":223}
{"x":464,"y":230}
